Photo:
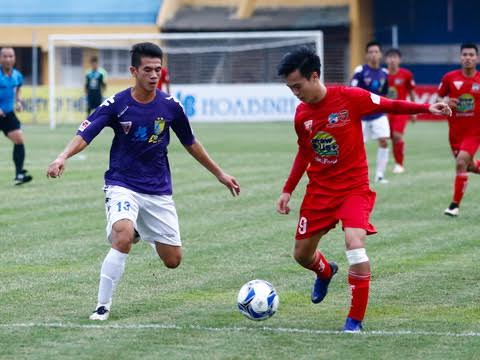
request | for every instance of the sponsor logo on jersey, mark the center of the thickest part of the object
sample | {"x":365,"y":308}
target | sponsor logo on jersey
{"x":140,"y":134}
{"x":84,"y":125}
{"x":126,"y":126}
{"x":326,"y":148}
{"x":338,"y":119}
{"x":466,"y":104}
{"x":392,"y":92}
{"x":458,"y":84}
{"x":158,"y":127}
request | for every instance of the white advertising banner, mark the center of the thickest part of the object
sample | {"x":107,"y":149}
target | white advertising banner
{"x":238,"y":102}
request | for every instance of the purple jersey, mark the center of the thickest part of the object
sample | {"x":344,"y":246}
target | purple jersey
{"x":373,"y":80}
{"x":138,"y":156}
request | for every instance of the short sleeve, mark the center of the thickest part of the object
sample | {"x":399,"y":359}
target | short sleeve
{"x":443,"y":88}
{"x":95,"y":123}
{"x":181,"y":126}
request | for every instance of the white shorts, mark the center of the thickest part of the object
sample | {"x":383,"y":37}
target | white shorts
{"x":376,"y":129}
{"x":153,"y":216}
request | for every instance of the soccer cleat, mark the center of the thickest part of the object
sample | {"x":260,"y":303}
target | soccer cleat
{"x":22,"y":178}
{"x":352,"y":326}
{"x":381,"y":180}
{"x":398,"y":169}
{"x":101,"y":313}
{"x":452,"y":210}
{"x":320,"y":287}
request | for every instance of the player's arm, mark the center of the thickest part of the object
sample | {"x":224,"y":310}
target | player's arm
{"x":368,"y":103}
{"x":200,"y":154}
{"x":299,"y":166}
{"x":357,"y":76}
{"x":57,"y":166}
{"x":18,"y":96}
{"x":87,"y":131}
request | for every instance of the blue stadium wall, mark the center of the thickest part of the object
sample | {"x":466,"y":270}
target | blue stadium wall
{"x":430,"y":31}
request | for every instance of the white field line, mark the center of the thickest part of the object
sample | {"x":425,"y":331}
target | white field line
{"x":234,"y":329}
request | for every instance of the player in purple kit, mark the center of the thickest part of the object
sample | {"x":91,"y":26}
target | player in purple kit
{"x":373,"y":78}
{"x":138,"y":184}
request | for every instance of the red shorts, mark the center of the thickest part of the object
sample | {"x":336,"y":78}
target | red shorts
{"x":469,"y":144}
{"x":398,"y":123}
{"x":322,"y":213}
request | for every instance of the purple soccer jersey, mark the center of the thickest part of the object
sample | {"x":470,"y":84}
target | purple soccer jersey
{"x":138,"y":155}
{"x":373,"y":80}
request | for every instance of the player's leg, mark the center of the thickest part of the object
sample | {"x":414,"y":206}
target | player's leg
{"x":381,"y":132}
{"x":158,"y":224}
{"x":354,"y":215}
{"x":307,"y":255}
{"x":122,"y":211}
{"x":463,"y":160}
{"x":15,"y":134}
{"x":358,"y":277}
{"x":397,"y":128}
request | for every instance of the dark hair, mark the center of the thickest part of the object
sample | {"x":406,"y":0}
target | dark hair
{"x":145,"y":49}
{"x":304,"y":59}
{"x":94,"y":59}
{"x":469,"y":45}
{"x":393,"y":51}
{"x":373,"y":43}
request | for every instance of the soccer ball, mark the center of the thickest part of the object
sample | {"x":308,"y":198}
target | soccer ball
{"x":257,"y":300}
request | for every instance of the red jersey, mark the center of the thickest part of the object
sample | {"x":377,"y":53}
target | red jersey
{"x":330,"y":139}
{"x":400,"y":84}
{"x":465,"y":119}
{"x":164,"y":78}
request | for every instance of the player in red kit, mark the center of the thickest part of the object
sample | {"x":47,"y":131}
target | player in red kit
{"x":463,"y":89}
{"x":332,"y":152}
{"x":400,"y":84}
{"x":164,"y":80}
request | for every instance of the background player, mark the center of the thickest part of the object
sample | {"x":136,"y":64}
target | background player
{"x":11,"y":81}
{"x":400,"y":84}
{"x":164,"y":80}
{"x":372,"y":77}
{"x":332,"y":151}
{"x":463,"y":89}
{"x":95,"y":85}
{"x":138,"y":182}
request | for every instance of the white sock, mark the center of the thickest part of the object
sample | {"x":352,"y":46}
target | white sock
{"x":382,"y":160}
{"x":112,"y":270}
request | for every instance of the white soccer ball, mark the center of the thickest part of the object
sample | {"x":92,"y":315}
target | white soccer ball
{"x":257,"y":300}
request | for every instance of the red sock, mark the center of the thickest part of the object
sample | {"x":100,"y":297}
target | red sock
{"x":398,"y":152}
{"x":461,"y":181}
{"x":320,"y":266}
{"x":359,"y":286}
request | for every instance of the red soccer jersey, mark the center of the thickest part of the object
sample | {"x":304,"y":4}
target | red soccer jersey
{"x":164,"y":78}
{"x":330,"y":139}
{"x":400,"y":84}
{"x":465,"y":119}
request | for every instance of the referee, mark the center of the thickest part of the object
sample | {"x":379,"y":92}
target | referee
{"x":11,"y":81}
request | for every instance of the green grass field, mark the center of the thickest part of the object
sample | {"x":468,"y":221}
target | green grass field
{"x":425,"y":292}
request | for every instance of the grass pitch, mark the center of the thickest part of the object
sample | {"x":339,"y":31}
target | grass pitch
{"x":424,"y":291}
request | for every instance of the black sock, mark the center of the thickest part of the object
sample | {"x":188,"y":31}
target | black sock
{"x":18,"y":157}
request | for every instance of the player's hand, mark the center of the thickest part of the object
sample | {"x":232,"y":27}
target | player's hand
{"x":440,"y":108}
{"x":453,"y":103}
{"x":56,"y":168}
{"x":231,"y":183}
{"x":282,"y":204}
{"x":19,"y":106}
